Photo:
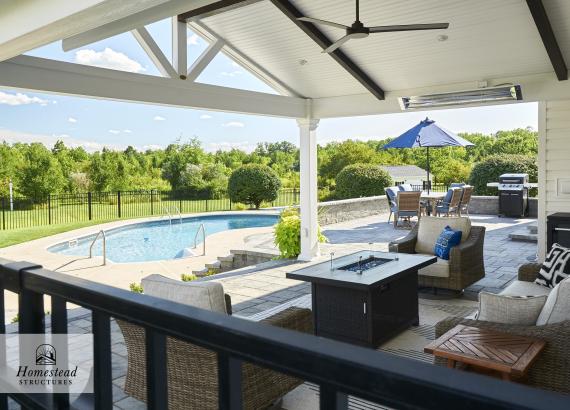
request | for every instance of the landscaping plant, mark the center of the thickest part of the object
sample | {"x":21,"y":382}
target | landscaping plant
{"x":287,"y":233}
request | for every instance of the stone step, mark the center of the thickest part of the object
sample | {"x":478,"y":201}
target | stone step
{"x":214,"y":265}
{"x":227,"y":258}
{"x":201,"y":272}
{"x":523,"y":236}
{"x":533,"y":229}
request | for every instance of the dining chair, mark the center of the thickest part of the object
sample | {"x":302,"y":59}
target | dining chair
{"x":465,"y":200}
{"x":391,"y":194}
{"x":408,"y":206}
{"x":450,"y":204}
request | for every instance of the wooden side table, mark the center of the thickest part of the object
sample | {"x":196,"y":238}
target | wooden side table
{"x":487,"y":351}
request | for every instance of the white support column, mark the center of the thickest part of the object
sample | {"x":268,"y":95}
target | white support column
{"x":179,"y":51}
{"x":309,"y":198}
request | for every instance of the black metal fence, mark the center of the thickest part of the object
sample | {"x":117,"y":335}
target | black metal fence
{"x":24,"y":212}
{"x":338,"y":368}
{"x":433,"y":187}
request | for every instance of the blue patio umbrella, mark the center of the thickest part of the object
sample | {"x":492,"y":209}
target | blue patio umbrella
{"x":427,"y":134}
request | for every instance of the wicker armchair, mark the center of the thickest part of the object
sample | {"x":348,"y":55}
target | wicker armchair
{"x":551,"y":370}
{"x":193,"y":370}
{"x":466,"y":263}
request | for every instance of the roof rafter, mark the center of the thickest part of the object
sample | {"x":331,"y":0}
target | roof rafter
{"x":323,"y":41}
{"x":544,"y":27}
{"x":214,"y":8}
{"x":204,"y":59}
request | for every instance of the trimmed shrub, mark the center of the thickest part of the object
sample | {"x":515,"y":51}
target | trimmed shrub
{"x":490,"y":169}
{"x":136,"y":287}
{"x":360,"y":180}
{"x":287,"y":233}
{"x":253,"y":184}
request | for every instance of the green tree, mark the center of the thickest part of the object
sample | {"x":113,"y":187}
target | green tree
{"x":360,"y":180}
{"x":41,"y":174}
{"x":253,"y":184}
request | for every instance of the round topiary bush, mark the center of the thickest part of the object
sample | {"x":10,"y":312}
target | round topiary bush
{"x":490,"y":169}
{"x":358,"y":180}
{"x":253,"y":184}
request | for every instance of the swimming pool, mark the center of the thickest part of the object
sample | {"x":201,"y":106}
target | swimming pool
{"x":160,"y":240}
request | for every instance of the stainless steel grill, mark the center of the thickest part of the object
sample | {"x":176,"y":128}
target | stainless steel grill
{"x":513,"y":194}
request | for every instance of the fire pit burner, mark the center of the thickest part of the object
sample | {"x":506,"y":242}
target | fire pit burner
{"x":365,"y":264}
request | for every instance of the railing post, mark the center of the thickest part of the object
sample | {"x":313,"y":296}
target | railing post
{"x":330,"y":399}
{"x":229,"y":382}
{"x":119,"y":203}
{"x":152,"y":201}
{"x":3,"y":213}
{"x":102,"y":368}
{"x":49,"y":208}
{"x":30,"y":304}
{"x":89,"y":205}
{"x":206,"y":205}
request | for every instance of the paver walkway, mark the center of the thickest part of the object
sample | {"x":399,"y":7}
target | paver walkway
{"x":258,"y":291}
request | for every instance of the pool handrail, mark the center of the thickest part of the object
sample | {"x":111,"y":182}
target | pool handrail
{"x":178,"y":212}
{"x":201,"y":228}
{"x":101,"y":232}
{"x":166,"y":212}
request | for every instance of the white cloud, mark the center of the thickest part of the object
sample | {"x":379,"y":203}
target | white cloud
{"x":11,"y":137}
{"x":233,"y":124}
{"x":205,"y":117}
{"x":127,"y":131}
{"x":115,"y":132}
{"x":20,"y":99}
{"x":108,"y":58}
{"x":231,"y":73}
{"x":152,"y":147}
{"x":72,"y":120}
{"x":193,"y":40}
{"x":159,"y":118}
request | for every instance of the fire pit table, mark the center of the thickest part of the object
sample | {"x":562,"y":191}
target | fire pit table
{"x":366,"y":297}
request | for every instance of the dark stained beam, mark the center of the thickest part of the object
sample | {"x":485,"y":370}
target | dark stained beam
{"x":548,"y":38}
{"x":215,"y":8}
{"x":323,"y":41}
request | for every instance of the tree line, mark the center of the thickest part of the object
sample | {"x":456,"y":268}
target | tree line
{"x":37,"y":171}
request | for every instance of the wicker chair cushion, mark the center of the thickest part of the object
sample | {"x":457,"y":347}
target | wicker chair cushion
{"x":430,"y":227}
{"x":207,"y":295}
{"x":523,"y":288}
{"x":440,"y":269}
{"x":514,"y":310}
{"x":557,"y":306}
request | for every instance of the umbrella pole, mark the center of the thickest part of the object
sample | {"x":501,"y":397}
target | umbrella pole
{"x":429,"y":185}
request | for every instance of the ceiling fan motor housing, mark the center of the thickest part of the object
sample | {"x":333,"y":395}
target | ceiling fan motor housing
{"x":357,"y":30}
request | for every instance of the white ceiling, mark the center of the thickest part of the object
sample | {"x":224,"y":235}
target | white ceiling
{"x":487,"y":39}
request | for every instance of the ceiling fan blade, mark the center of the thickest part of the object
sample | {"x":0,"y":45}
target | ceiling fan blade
{"x":337,"y":44}
{"x":323,"y":22}
{"x":409,"y":27}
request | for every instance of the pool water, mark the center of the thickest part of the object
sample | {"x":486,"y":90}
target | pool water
{"x":160,"y":240}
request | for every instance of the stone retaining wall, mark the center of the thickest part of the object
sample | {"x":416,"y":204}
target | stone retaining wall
{"x":347,"y":209}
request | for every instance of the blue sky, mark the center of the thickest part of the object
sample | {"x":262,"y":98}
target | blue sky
{"x":27,"y":117}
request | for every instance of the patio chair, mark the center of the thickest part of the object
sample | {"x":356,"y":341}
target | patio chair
{"x":465,"y":265}
{"x":193,"y":370}
{"x":465,"y":200}
{"x":551,"y":370}
{"x":457,"y":184}
{"x":450,"y":204}
{"x":391,"y":194}
{"x":407,"y":206}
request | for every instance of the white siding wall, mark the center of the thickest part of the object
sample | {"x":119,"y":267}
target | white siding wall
{"x":553,"y":162}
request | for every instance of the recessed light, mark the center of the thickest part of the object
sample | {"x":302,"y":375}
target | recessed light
{"x":442,"y":37}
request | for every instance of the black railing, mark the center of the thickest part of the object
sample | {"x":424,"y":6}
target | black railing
{"x":338,"y":368}
{"x":424,"y":186}
{"x":26,"y":212}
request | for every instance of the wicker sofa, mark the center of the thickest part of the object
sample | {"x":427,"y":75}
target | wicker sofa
{"x":466,"y":264}
{"x":551,"y":370}
{"x":193,"y":370}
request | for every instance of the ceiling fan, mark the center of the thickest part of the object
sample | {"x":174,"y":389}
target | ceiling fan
{"x":359,"y":30}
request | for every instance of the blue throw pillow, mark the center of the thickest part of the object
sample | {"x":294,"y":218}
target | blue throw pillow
{"x":447,"y":240}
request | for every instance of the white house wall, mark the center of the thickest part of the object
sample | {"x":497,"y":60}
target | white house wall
{"x":554,"y":163}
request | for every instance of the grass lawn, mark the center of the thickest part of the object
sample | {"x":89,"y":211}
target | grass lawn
{"x":16,"y":236}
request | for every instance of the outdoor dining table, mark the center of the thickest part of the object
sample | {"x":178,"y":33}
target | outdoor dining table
{"x":432,"y":198}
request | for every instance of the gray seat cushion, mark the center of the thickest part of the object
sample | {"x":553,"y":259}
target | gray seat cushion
{"x":522,"y":288}
{"x":207,"y":295}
